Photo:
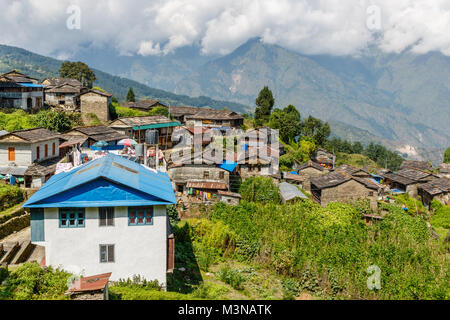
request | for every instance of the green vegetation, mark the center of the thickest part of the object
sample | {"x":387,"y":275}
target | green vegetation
{"x":57,"y":121}
{"x":264,"y":105}
{"x":79,"y":71}
{"x":130,"y":96}
{"x":297,"y":152}
{"x":10,"y":196}
{"x":447,"y":156}
{"x":259,"y":189}
{"x":31,"y":282}
{"x":356,"y":160}
{"x":288,"y":121}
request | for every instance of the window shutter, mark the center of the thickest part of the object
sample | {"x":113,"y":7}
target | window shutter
{"x":110,"y":253}
{"x":103,"y":253}
{"x":102,"y":214}
{"x":110,"y":216}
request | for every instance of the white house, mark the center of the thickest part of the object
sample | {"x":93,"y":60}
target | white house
{"x":31,"y":153}
{"x":20,"y":91}
{"x":108,"y":215}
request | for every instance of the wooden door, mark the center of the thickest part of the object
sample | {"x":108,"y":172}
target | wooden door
{"x":11,"y":154}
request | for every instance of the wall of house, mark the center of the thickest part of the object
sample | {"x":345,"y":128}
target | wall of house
{"x":34,"y":95}
{"x":139,"y":250}
{"x":96,"y":104}
{"x":230,"y":200}
{"x":247,"y":171}
{"x":347,"y":192}
{"x":184,"y":174}
{"x":411,"y":190}
{"x":54,"y":99}
{"x":41,"y":146}
{"x":23,"y":154}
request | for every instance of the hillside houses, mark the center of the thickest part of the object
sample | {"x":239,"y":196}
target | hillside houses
{"x":95,"y":103}
{"x":18,"y":90}
{"x":144,"y":105}
{"x":215,"y":119}
{"x":407,"y":180}
{"x":438,"y":189}
{"x":413,"y":164}
{"x":94,"y":134}
{"x":180,"y":113}
{"x":307,"y":171}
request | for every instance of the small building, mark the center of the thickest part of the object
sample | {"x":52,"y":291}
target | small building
{"x":407,"y":180}
{"x":444,"y":170}
{"x":90,"y":288}
{"x":339,"y":187}
{"x":419,"y":165}
{"x":230,"y":198}
{"x":61,"y":92}
{"x":324,"y":158}
{"x":354,"y":171}
{"x":144,"y":105}
{"x":290,"y":193}
{"x":310,"y":170}
{"x":95,"y":102}
{"x":30,"y":154}
{"x":108,"y":215}
{"x":438,"y":189}
{"x":180,"y":113}
{"x":20,"y":91}
{"x":136,"y":127}
{"x":215,"y":119}
{"x":255,"y":162}
{"x":95,"y":134}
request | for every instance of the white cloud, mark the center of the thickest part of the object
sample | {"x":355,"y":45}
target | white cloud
{"x":161,"y":26}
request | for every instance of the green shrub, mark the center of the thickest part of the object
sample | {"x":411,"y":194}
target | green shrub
{"x":10,"y":196}
{"x":233,"y":277}
{"x":441,"y":215}
{"x":130,"y":293}
{"x":139,"y":282}
{"x":259,"y":189}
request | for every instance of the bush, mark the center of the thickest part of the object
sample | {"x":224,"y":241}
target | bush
{"x":130,"y":293}
{"x":10,"y":196}
{"x":441,"y":215}
{"x":139,"y":282}
{"x":259,"y":189}
{"x":234,"y":278}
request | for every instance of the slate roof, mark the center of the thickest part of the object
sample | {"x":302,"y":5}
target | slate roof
{"x":413,"y":174}
{"x":108,"y":181}
{"x":43,"y":168}
{"x":444,"y":168}
{"x":412,"y":164}
{"x":18,"y":77}
{"x":141,"y":121}
{"x":34,"y":135}
{"x":336,"y":178}
{"x":100,"y":133}
{"x":229,"y":194}
{"x":310,"y":164}
{"x":399,"y":179}
{"x":215,"y":115}
{"x":144,"y":104}
{"x":105,"y":94}
{"x":181,"y":111}
{"x":56,"y":82}
{"x":436,"y":186}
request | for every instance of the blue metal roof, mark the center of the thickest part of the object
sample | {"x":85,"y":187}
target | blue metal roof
{"x":228,"y":166}
{"x":31,"y":85}
{"x":106,"y":182}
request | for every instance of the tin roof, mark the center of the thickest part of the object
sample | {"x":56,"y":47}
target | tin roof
{"x":34,"y":135}
{"x":436,"y":186}
{"x":289,"y":192}
{"x":207,"y":185}
{"x":92,"y":283}
{"x":108,"y":181}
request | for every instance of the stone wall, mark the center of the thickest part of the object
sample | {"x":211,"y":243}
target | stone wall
{"x":348,"y":192}
{"x":95,"y":104}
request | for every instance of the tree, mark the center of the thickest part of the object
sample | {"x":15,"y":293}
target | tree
{"x":259,"y":189}
{"x":57,"y":121}
{"x":316,"y":129}
{"x":130,"y":96}
{"x":162,"y":111}
{"x":288,"y":121}
{"x":79,"y":71}
{"x":264,"y":105}
{"x":447,"y":156}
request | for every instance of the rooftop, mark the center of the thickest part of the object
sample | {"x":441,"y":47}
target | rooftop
{"x":412,"y":164}
{"x":336,"y":178}
{"x":33,"y":135}
{"x":436,"y":186}
{"x":215,"y":115}
{"x":99,"y":133}
{"x":143,"y":104}
{"x":144,"y":122}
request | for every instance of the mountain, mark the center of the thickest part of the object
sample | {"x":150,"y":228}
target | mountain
{"x":403,"y":98}
{"x":41,"y":67}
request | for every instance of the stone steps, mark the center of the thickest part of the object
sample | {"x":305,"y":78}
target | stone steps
{"x":24,"y":252}
{"x":10,"y":251}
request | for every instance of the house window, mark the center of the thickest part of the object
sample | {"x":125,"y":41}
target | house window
{"x":106,"y":253}
{"x":371,"y":194}
{"x":53,"y":148}
{"x":139,"y":216}
{"x":205,"y":174}
{"x":11,"y":154}
{"x":38,"y":153}
{"x":221,"y":175}
{"x":72,"y":217}
{"x":106,"y":217}
{"x":46,"y":151}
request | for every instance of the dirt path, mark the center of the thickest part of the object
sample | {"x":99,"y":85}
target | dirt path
{"x":20,"y":236}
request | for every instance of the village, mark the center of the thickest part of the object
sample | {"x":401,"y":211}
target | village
{"x":97,"y":197}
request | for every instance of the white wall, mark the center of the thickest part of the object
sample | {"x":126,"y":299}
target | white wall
{"x":22,"y":154}
{"x":42,"y":150}
{"x":138,"y":249}
{"x":33,"y":95}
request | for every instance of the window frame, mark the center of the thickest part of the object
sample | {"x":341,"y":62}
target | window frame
{"x":38,"y":152}
{"x":136,"y":209}
{"x":107,"y":246}
{"x":112,"y":212}
{"x":77,"y":212}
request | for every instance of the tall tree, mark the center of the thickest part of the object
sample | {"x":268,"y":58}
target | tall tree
{"x":317,"y":129}
{"x":79,"y":71}
{"x":130,"y":96}
{"x":288,"y":121}
{"x":264,"y":105}
{"x":447,"y":156}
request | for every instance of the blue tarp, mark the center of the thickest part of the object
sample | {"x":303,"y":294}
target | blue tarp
{"x":107,"y":148}
{"x":31,"y":85}
{"x":228,"y":166}
{"x":294,"y":172}
{"x":106,"y":182}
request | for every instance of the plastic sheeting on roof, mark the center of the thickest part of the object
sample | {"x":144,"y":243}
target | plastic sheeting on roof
{"x":31,"y":85}
{"x":109,"y":181}
{"x":289,"y":192}
{"x":228,"y":166}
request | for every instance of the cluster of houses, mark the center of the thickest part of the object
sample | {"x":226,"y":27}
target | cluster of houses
{"x":100,"y":204}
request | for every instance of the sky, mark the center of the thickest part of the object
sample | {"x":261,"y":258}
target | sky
{"x":60,"y":28}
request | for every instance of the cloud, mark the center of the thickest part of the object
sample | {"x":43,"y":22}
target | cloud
{"x":158,"y":27}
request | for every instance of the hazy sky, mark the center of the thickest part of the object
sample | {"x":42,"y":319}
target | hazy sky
{"x":154,"y":27}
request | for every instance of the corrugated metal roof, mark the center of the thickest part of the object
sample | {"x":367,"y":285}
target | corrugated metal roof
{"x":207,"y":185}
{"x":109,"y":181}
{"x":289,"y":192}
{"x":92,"y":283}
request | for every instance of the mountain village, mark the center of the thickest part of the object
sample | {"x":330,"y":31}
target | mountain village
{"x":97,"y":197}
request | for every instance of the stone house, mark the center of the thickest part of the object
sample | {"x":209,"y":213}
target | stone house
{"x":144,"y":105}
{"x":444,"y":170}
{"x":95,"y":102}
{"x":62,"y":92}
{"x":438,"y":189}
{"x":419,"y":165}
{"x":215,"y":119}
{"x":95,"y":134}
{"x":339,"y":187}
{"x":407,"y":180}
{"x":136,"y":128}
{"x":106,"y":216}
{"x":30,"y":154}
{"x":230,"y":198}
{"x":180,"y":113}
{"x":255,"y":162}
{"x":324,"y":158}
{"x":20,"y":91}
{"x":310,"y":170}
